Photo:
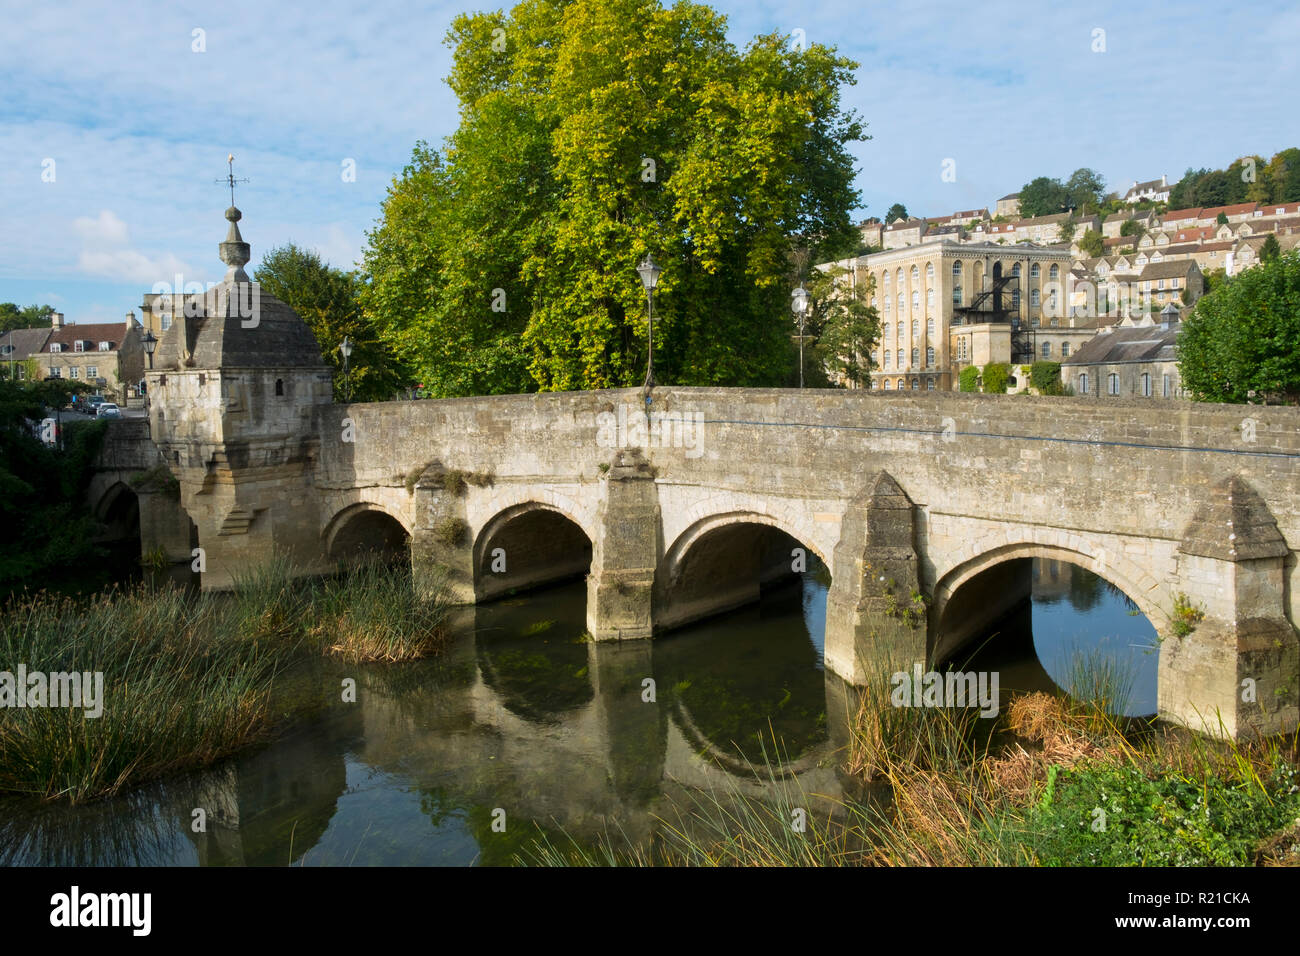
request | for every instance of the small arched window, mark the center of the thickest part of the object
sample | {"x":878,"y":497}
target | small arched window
{"x":929,"y":298}
{"x":279,"y":386}
{"x":916,"y":328}
{"x":929,"y":357}
{"x":886,"y":280}
{"x":929,"y":271}
{"x":929,"y":327}
{"x":956,"y":271}
{"x":916,"y":298}
{"x":1054,"y":273}
{"x":889,"y":385}
{"x":916,"y":357}
{"x":916,"y":274}
{"x":1034,"y":271}
{"x":1015,"y":269}
{"x":884,"y":331}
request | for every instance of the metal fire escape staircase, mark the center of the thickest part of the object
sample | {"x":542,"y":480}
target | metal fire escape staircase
{"x":993,"y":305}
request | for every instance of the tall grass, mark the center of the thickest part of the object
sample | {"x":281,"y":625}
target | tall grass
{"x":187,"y":679}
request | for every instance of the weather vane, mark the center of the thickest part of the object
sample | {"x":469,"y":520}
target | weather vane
{"x":229,"y":179}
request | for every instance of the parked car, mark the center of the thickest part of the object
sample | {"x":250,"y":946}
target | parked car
{"x":108,"y":410}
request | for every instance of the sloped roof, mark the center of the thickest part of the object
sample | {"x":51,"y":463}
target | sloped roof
{"x":25,"y":342}
{"x":110,"y":332}
{"x":1168,"y":270}
{"x":1148,"y":344}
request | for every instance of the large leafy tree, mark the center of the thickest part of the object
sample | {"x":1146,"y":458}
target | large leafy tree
{"x":1242,"y":341}
{"x":591,"y":134}
{"x":328,"y":301}
{"x":848,"y":326}
{"x":1043,"y":196}
{"x":896,"y":211}
{"x":1085,"y":190}
{"x":32,"y":317}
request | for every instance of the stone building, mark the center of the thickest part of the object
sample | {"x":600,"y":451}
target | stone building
{"x":108,"y":356}
{"x":944,"y":305}
{"x":1155,"y":190}
{"x":1008,"y":205}
{"x":904,"y":232}
{"x":1130,"y":361}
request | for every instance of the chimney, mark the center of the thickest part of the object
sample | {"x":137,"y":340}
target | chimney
{"x":56,"y":320}
{"x":130,"y":319}
{"x":1163,"y":182}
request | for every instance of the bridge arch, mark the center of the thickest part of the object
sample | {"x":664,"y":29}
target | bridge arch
{"x":365,"y":529}
{"x":1005,"y":570}
{"x":721,"y":562}
{"x":528,"y":544}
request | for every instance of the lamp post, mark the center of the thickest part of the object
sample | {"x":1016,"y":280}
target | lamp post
{"x":346,"y":348}
{"x":799,"y":305}
{"x":649,"y":272}
{"x":150,"y":343}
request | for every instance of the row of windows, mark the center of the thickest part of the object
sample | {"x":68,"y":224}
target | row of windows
{"x":79,"y":346}
{"x":92,"y":371}
{"x":916,"y":358}
{"x":898,"y":330}
{"x":888,"y":385}
{"x":1144,"y":384}
{"x":1035,"y":272}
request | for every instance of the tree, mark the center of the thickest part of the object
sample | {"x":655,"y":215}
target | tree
{"x":327,"y":300}
{"x":1242,"y":340}
{"x":1284,"y":176}
{"x":968,"y":380}
{"x":1134,"y":228}
{"x":615,"y":128}
{"x":1091,"y":243}
{"x":1043,"y":197}
{"x":1068,"y":225}
{"x":1085,"y":188}
{"x":1221,"y":219}
{"x":1269,"y":249}
{"x":848,"y":325}
{"x":1045,"y":377}
{"x":896,"y":211}
{"x":995,"y":376}
{"x":32,"y":317}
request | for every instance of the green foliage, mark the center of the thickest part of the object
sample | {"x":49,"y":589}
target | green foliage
{"x":1085,"y":190}
{"x":1186,"y":615}
{"x":607,"y":130}
{"x":33,"y":317}
{"x":1045,"y":196}
{"x":1221,"y":219}
{"x":1242,"y":341}
{"x":45,"y":528}
{"x":1091,"y":243}
{"x":996,"y":375}
{"x":1161,"y":817}
{"x":328,"y":301}
{"x":1045,"y":377}
{"x":1269,"y":249}
{"x":846,"y":326}
{"x":1277,"y":180}
{"x":968,"y":380}
{"x":1132,"y":227}
{"x":896,"y":211}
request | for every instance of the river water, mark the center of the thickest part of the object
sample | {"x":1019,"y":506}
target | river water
{"x":523,"y":725}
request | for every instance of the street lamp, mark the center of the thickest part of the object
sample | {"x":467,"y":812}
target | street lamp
{"x":150,"y":343}
{"x":649,"y":272}
{"x":346,"y":348}
{"x":799,"y":305}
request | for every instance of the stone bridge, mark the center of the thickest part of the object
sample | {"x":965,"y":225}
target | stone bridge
{"x":925,"y":508}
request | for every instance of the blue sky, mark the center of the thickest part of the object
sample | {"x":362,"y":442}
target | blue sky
{"x":138,"y":125}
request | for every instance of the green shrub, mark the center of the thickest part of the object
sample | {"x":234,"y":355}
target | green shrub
{"x":969,"y":379}
{"x":1045,"y":378}
{"x":996,"y":375}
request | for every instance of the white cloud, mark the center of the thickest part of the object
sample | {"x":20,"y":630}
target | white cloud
{"x":106,"y":252}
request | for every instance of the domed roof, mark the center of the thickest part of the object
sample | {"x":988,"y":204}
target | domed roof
{"x":235,"y":324}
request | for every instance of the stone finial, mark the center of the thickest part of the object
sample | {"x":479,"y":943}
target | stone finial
{"x":235,"y":252}
{"x":1234,"y":524}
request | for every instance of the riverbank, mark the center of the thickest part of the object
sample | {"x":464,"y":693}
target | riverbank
{"x":186,"y":679}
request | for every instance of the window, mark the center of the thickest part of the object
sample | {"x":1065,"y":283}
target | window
{"x":1174,"y":283}
{"x":1034,"y":271}
{"x":889,"y":385}
{"x":74,"y":372}
{"x":78,"y":346}
{"x":92,"y":371}
{"x":1166,"y":386}
{"x":929,"y":357}
{"x":916,"y":298}
{"x":916,"y":328}
{"x":1083,"y":384}
{"x":56,"y":346}
{"x":1160,"y":283}
{"x":929,"y":271}
{"x":1015,"y":298}
{"x":900,"y":282}
{"x":56,"y":373}
{"x":916,"y":384}
{"x":929,"y":326}
{"x":1033,"y":298}
{"x":1112,"y":384}
{"x":929,"y":298}
{"x":1034,"y":322}
{"x":1055,"y":273}
{"x":956,"y":271}
{"x":886,"y":358}
{"x":104,"y":347}
{"x":900,"y":302}
{"x":1051,"y":302}
{"x":884,"y":331}
{"x":1065,"y":350}
{"x":279,"y":386}
{"x":165,"y":323}
{"x":956,"y":295}
{"x":1047,"y":350}
{"x":887,"y":303}
{"x":929,"y":386}
{"x":1146,"y":384}
{"x":886,"y":281}
{"x":899,"y":356}
{"x":916,"y":357}
{"x":1015,"y":270}
{"x":916,"y":274}
{"x":875,"y":358}
{"x":900,"y":384}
